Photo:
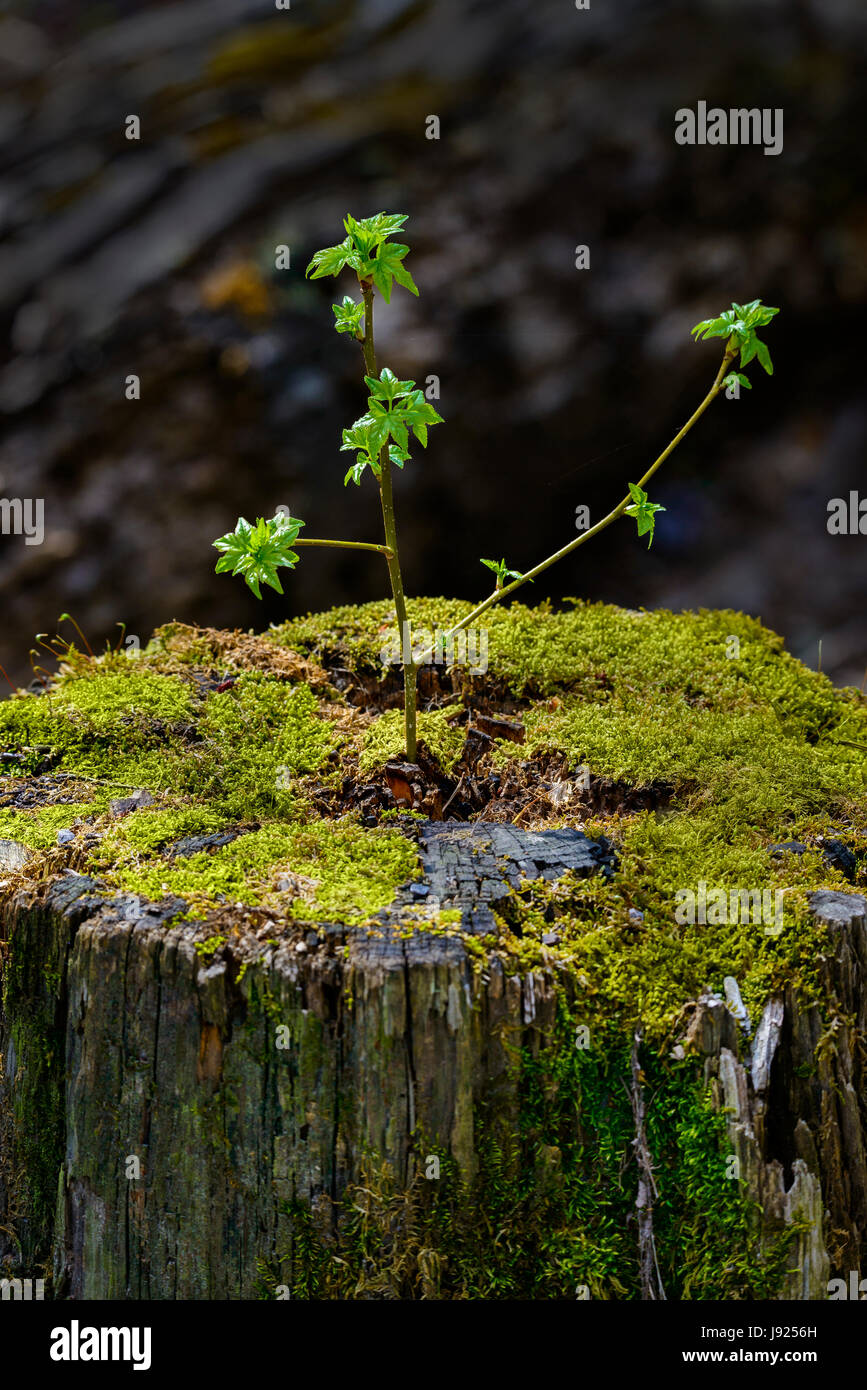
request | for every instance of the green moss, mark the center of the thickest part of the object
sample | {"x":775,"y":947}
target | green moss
{"x":650,"y":968}
{"x":152,"y":828}
{"x":238,"y":749}
{"x":556,"y":1190}
{"x":665,"y":737}
{"x":256,"y":737}
{"x":37,"y":829}
{"x":721,"y":657}
{"x":103,"y":703}
{"x":385,"y":739}
{"x":354,"y":872}
{"x":210,"y":947}
{"x":751,"y":746}
{"x":80,"y":707}
{"x":114,"y":725}
{"x":707,"y":1234}
{"x":361,"y":631}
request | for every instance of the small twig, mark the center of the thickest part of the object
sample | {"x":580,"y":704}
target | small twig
{"x":454,"y":794}
{"x":534,"y":801}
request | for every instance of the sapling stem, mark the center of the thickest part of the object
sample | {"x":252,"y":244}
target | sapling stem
{"x":386,"y":495}
{"x":728,"y":356}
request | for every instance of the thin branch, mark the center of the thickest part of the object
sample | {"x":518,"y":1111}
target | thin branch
{"x":350,"y":545}
{"x":498,"y":594}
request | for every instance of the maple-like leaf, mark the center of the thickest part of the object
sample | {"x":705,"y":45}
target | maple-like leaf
{"x":256,"y":552}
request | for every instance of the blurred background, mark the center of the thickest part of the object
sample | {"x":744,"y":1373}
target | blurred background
{"x":262,"y":127}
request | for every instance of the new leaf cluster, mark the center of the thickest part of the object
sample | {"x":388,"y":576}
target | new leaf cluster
{"x":503,"y":573}
{"x":367,"y":250}
{"x":644,"y":512}
{"x":739,"y":324}
{"x":257,"y":552}
{"x":394,"y":407}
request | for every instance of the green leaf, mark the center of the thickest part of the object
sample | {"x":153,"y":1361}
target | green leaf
{"x":764,"y":357}
{"x":740,"y":322}
{"x":356,"y":471}
{"x":739,"y":378}
{"x":643,"y":511}
{"x":369,"y":232}
{"x":386,"y":266}
{"x":749,"y":348}
{"x":331,"y":260}
{"x":360,"y":250}
{"x":413,"y":412}
{"x":348,"y":316}
{"x":388,"y":387}
{"x":369,"y":434}
{"x":398,"y":431}
{"x":257,"y":552}
{"x":757,"y":314}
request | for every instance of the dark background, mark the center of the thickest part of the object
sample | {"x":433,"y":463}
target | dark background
{"x":263,"y":127}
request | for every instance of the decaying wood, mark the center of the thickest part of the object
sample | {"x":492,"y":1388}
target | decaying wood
{"x":651,"y":1280}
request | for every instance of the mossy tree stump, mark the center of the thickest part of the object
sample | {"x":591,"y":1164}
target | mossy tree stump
{"x":283,"y":1015}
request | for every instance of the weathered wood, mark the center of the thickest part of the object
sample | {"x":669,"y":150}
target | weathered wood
{"x":134,"y":1050}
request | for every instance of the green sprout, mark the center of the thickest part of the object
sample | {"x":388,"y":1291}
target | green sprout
{"x":348,"y":317}
{"x":739,"y":324}
{"x":398,"y":415}
{"x":643,"y":511}
{"x":499,"y":568}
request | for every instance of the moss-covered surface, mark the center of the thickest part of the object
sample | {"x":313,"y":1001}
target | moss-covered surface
{"x":549,"y":1212}
{"x":351,"y":873}
{"x":385,"y":739}
{"x":751,"y":748}
{"x":738,"y":746}
{"x":213,"y":758}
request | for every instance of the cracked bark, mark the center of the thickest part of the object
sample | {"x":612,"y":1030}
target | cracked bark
{"x":651,"y":1281}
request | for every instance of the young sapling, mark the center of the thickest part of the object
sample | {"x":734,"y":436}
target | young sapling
{"x":398,"y":409}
